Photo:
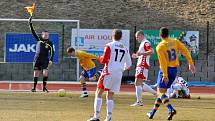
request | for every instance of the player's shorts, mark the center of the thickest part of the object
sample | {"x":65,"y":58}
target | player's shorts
{"x":41,"y":64}
{"x":110,"y":82}
{"x":141,"y":72}
{"x":89,"y":73}
{"x":172,"y":72}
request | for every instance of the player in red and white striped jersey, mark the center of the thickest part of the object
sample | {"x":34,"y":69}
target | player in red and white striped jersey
{"x":116,"y":59}
{"x":143,"y":54}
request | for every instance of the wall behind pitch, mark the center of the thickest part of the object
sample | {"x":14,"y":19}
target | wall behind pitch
{"x":108,"y":14}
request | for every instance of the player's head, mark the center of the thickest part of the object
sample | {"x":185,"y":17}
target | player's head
{"x":139,"y":36}
{"x":164,"y":32}
{"x":71,"y":51}
{"x":45,"y":35}
{"x":117,"y":34}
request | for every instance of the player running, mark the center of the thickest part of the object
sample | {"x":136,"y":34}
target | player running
{"x":167,"y":51}
{"x":117,"y":59}
{"x":178,"y":89}
{"x":143,"y":54}
{"x":43,"y":57}
{"x":89,"y":67}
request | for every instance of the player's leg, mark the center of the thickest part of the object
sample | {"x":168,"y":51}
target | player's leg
{"x":113,"y":84}
{"x":138,"y":86}
{"x":172,"y":72}
{"x":45,"y":79}
{"x":83,"y":83}
{"x":98,"y":100}
{"x":138,"y":92}
{"x":36,"y":75}
{"x":157,"y":104}
{"x":149,"y":89}
{"x":44,"y":67}
{"x":161,"y":91}
{"x":109,"y":105}
{"x":146,"y":87}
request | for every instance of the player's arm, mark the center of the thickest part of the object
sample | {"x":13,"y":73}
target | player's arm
{"x":162,"y":60}
{"x":128,"y":62}
{"x":106,"y":55}
{"x":185,"y":52}
{"x":148,"y":48}
{"x":33,"y":30}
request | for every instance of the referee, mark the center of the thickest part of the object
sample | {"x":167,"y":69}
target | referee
{"x":43,"y":57}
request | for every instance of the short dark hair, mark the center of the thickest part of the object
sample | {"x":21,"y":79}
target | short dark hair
{"x":117,"y":34}
{"x":70,"y":49}
{"x":44,"y":31}
{"x":164,"y":32}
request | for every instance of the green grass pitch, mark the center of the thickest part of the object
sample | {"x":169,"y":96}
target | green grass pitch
{"x":25,"y":106}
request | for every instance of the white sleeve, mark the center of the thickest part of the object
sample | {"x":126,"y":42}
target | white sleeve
{"x":128,"y":62}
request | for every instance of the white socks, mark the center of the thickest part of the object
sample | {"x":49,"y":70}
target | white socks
{"x":147,"y":88}
{"x":139,"y":91}
{"x":97,"y":107}
{"x":109,"y":108}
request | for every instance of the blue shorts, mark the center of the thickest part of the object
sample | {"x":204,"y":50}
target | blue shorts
{"x":89,"y":73}
{"x":172,"y":72}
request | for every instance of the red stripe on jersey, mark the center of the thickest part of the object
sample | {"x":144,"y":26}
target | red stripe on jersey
{"x":143,"y":63}
{"x":104,"y":59}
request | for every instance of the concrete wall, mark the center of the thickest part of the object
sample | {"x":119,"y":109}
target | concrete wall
{"x":124,"y":14}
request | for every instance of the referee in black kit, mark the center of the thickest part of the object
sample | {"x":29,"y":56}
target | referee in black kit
{"x":43,"y":57}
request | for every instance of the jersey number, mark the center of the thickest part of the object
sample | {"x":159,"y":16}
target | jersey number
{"x":121,"y":51}
{"x":171,"y":54}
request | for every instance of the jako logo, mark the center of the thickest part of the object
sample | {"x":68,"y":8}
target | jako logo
{"x":24,"y":48}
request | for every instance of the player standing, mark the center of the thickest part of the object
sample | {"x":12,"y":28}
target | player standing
{"x":143,"y":54}
{"x":167,"y":51}
{"x":117,"y":59}
{"x":89,"y":67}
{"x":42,"y":61}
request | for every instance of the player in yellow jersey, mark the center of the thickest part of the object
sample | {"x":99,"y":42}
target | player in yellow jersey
{"x":167,"y":51}
{"x":89,"y":67}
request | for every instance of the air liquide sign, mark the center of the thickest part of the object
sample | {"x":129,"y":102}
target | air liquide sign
{"x":21,"y":48}
{"x":94,"y":40}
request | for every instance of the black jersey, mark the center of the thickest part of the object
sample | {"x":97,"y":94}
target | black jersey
{"x":43,"y":47}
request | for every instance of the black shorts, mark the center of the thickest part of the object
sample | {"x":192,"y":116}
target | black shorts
{"x":41,"y":65}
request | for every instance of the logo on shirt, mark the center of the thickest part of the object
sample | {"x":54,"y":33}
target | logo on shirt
{"x":46,"y":46}
{"x":120,"y":46}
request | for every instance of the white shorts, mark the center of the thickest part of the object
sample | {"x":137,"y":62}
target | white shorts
{"x":142,"y":73}
{"x":110,"y":82}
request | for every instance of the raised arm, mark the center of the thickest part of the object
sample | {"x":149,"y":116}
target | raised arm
{"x":33,"y":30}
